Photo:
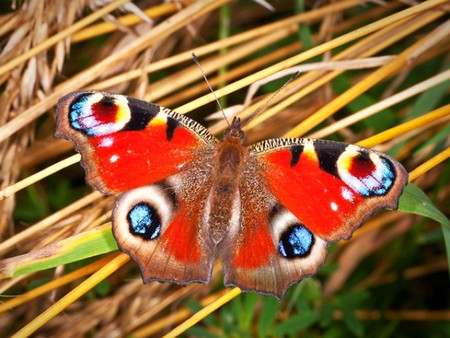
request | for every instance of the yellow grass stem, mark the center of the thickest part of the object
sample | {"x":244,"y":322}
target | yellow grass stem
{"x":45,"y":223}
{"x":396,"y":65}
{"x":362,"y":49}
{"x":12,"y":189}
{"x":179,"y":315}
{"x":126,"y":20}
{"x":163,"y":323}
{"x":418,"y":122}
{"x":379,"y":106}
{"x":207,"y":310}
{"x":72,"y":296}
{"x":167,"y":27}
{"x":164,"y":302}
{"x":232,"y":74}
{"x":238,"y":39}
{"x":190,"y":74}
{"x":62,"y":35}
{"x":430,"y":164}
{"x":54,"y":284}
{"x":370,"y":28}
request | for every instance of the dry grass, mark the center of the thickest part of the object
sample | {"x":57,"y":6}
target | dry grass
{"x":399,"y":56}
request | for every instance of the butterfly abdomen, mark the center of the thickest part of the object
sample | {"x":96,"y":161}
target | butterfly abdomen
{"x":229,"y":162}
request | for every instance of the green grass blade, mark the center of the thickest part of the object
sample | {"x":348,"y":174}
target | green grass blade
{"x":72,"y":249}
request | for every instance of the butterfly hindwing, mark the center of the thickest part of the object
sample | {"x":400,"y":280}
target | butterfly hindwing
{"x":161,"y":226}
{"x":269,"y":249}
{"x":126,"y":143}
{"x":331,"y":187}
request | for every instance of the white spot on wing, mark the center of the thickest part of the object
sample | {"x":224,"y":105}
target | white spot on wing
{"x":334,"y":206}
{"x":347,"y":194}
{"x":89,"y":121}
{"x":106,"y":142}
{"x":113,"y":158}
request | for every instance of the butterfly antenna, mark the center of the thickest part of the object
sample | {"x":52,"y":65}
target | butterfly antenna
{"x":265,"y":104}
{"x":194,"y":57}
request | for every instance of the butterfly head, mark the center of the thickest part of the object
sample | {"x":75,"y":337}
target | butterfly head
{"x":235,"y":130}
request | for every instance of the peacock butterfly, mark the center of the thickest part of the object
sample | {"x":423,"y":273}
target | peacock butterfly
{"x":269,"y":210}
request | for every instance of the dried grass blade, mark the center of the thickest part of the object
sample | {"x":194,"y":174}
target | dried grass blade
{"x":370,"y":28}
{"x":379,"y":106}
{"x":72,"y":296}
{"x":127,"y":20}
{"x":405,"y":127}
{"x":372,"y":79}
{"x":45,"y":223}
{"x":54,"y":284}
{"x":430,"y":164}
{"x":12,"y":189}
{"x":164,"y":29}
{"x":198,"y":316}
{"x":60,"y":36}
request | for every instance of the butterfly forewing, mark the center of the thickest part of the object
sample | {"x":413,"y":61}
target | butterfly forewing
{"x":331,"y":187}
{"x":127,"y":143}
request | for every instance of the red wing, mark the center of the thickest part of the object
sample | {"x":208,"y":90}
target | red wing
{"x":296,"y":195}
{"x":330,"y":187}
{"x":158,"y":227}
{"x":127,"y":143}
{"x":268,"y":249}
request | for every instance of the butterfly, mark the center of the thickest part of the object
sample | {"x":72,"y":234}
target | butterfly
{"x":268,"y":210}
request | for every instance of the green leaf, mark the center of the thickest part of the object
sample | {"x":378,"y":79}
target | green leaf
{"x":248,"y":310}
{"x":414,"y":200}
{"x":296,"y":323}
{"x":72,"y":249}
{"x":350,"y":320}
{"x":269,"y":313}
{"x":327,"y":315}
{"x":198,"y":331}
{"x":103,"y":288}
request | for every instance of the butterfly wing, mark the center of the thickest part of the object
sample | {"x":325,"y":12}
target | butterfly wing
{"x":297,"y":195}
{"x":162,"y":228}
{"x":256,"y":254}
{"x":332,"y":187}
{"x":159,"y":159}
{"x":126,"y":143}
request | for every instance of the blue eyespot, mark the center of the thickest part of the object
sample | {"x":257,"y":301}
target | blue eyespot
{"x":385,"y":178}
{"x":296,"y":241}
{"x":370,"y":179}
{"x":77,"y":111}
{"x":144,"y":221}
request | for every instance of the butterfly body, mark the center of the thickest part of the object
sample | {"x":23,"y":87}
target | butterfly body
{"x":268,"y":210}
